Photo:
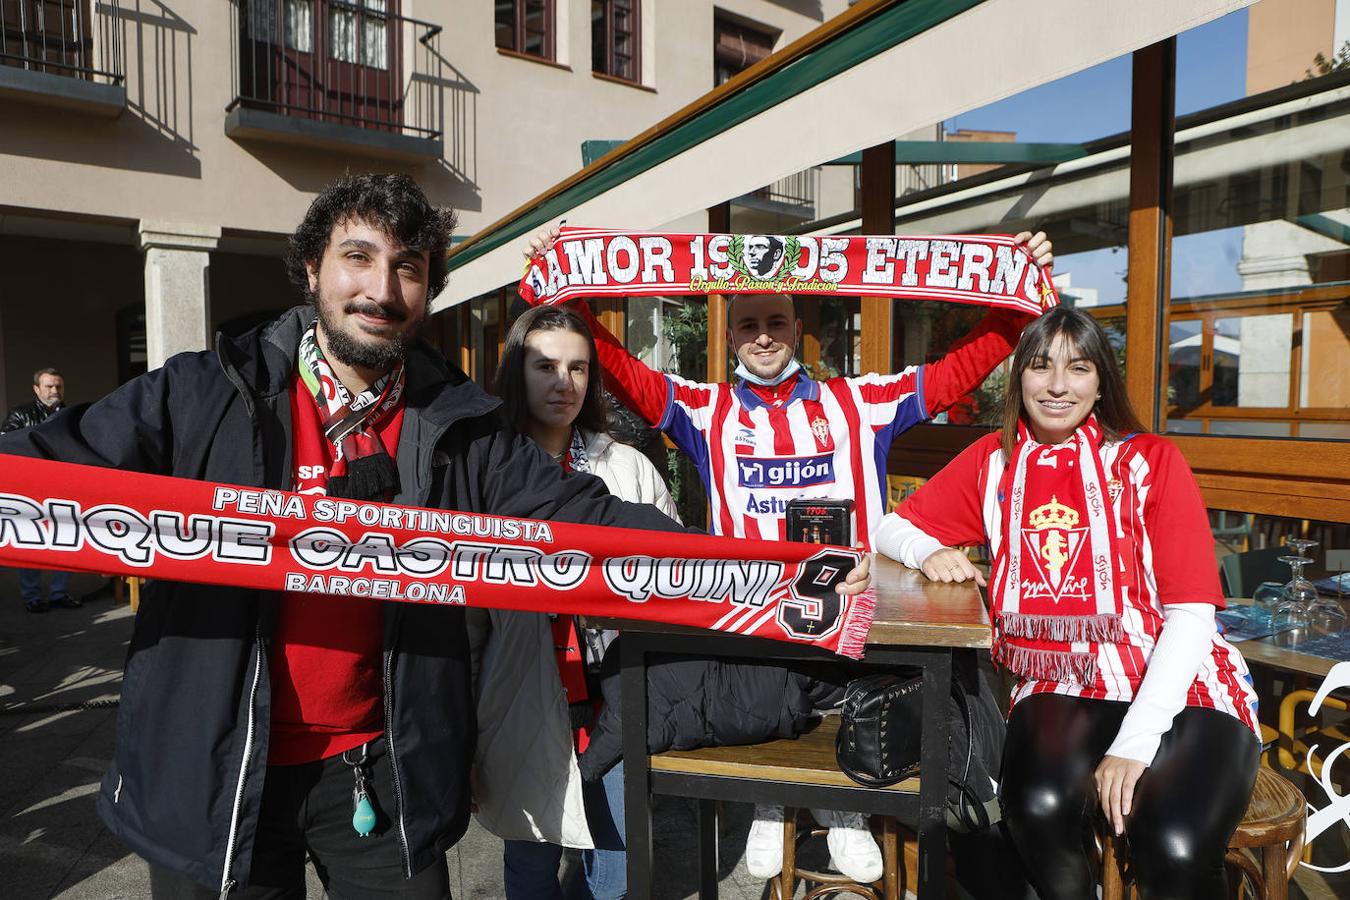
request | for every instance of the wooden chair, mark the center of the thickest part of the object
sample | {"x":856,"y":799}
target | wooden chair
{"x":829,"y":884}
{"x":1241,"y":573}
{"x":1272,"y":830}
{"x":127,"y":584}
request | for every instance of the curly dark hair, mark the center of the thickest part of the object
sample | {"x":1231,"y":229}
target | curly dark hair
{"x":392,"y":203}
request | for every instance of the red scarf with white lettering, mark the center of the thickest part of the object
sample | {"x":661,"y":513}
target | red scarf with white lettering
{"x":985,"y":270}
{"x":1055,"y":583}
{"x":82,"y":518}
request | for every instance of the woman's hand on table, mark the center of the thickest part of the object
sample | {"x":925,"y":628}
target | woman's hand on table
{"x":858,"y":579}
{"x":951,"y":566}
{"x":1116,"y":778}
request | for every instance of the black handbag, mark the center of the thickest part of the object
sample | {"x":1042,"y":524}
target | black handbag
{"x":880,"y":731}
{"x":878,"y":740}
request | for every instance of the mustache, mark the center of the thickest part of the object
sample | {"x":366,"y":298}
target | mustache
{"x":375,"y":310}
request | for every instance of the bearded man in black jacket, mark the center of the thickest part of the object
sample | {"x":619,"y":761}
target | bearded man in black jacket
{"x":250,"y":721}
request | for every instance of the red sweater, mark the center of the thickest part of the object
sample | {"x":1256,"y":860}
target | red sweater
{"x":327,"y":683}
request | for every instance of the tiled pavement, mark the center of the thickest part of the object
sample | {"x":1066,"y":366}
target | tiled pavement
{"x":53,"y":845}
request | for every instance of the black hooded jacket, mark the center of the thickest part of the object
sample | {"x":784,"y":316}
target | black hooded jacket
{"x":186,"y":780}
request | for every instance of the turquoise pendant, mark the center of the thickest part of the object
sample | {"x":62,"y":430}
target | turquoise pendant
{"x":363,"y":818}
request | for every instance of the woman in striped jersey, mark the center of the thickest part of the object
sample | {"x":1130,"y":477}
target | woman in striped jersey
{"x":1103,"y":590}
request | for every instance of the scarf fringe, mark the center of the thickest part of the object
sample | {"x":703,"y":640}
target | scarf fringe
{"x":372,"y":477}
{"x":1047,"y":665}
{"x":857,"y":623}
{"x":1104,"y":628}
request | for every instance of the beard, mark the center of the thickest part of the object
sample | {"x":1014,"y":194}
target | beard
{"x":369,"y":351}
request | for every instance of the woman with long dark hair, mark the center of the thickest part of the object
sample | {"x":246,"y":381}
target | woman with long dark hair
{"x":1103,"y":593}
{"x":535,"y":681}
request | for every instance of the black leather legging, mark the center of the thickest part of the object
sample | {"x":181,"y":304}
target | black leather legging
{"x":1186,"y":804}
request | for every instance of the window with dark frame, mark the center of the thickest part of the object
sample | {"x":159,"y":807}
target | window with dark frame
{"x":333,"y":60}
{"x":615,"y":39}
{"x":737,"y":46}
{"x":525,"y":26}
{"x":47,"y":36}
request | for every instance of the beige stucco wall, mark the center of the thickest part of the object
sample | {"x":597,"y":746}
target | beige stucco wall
{"x":512,"y":127}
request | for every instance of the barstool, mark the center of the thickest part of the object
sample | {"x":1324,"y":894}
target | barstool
{"x":1272,"y":825}
{"x":823,"y":884}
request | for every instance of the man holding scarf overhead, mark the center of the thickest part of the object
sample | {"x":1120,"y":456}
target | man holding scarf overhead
{"x":745,"y":436}
{"x":258,"y":727}
{"x":775,"y":434}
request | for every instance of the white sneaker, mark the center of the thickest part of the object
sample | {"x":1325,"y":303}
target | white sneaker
{"x":764,"y":843}
{"x":853,"y":850}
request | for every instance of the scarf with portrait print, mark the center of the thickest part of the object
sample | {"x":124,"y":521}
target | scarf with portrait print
{"x":361,"y":469}
{"x":1055,"y":590}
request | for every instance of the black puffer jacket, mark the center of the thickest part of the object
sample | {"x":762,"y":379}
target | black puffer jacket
{"x":192,"y":731}
{"x":694,"y":702}
{"x":28,"y":415}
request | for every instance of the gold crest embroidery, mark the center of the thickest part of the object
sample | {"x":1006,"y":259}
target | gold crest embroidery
{"x":1058,"y":524}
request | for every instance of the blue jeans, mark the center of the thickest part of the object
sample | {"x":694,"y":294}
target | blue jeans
{"x":30,"y":585}
{"x":530,"y":868}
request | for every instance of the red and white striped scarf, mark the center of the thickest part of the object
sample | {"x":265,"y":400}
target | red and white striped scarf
{"x":1055,"y":584}
{"x":985,"y":269}
{"x":360,"y":469}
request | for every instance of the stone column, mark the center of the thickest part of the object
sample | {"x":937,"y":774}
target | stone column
{"x":177,"y":287}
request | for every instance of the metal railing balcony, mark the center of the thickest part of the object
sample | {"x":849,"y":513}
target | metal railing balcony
{"x":73,"y":38}
{"x":343,"y":62}
{"x":797,"y":190}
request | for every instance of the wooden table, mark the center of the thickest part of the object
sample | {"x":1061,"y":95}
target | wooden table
{"x":1265,"y":651}
{"x":917,"y":623}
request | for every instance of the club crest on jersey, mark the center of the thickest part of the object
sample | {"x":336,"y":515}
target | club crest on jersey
{"x":821,"y":429}
{"x":785,"y":472}
{"x":1054,"y":542}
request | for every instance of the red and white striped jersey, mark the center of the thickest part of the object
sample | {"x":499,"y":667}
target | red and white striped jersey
{"x":756,"y":447}
{"x":1164,"y":542}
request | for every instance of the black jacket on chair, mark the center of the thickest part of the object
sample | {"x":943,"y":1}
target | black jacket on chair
{"x":186,"y":780}
{"x":697,"y":702}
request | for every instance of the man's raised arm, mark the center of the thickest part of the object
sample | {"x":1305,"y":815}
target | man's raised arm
{"x":968,"y":362}
{"x":636,"y":385}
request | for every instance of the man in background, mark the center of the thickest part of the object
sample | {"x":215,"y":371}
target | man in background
{"x":50,"y":389}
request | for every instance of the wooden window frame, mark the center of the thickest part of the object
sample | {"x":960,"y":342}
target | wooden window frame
{"x":635,"y":11}
{"x":1297,"y":305}
{"x":725,"y":21}
{"x":517,"y":47}
{"x":1289,"y":477}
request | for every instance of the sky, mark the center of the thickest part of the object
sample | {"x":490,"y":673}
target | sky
{"x":1095,"y":103}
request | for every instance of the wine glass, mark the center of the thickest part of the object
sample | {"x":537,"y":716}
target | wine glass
{"x":1326,"y":616}
{"x":1291,"y":620}
{"x":1267,"y":596}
